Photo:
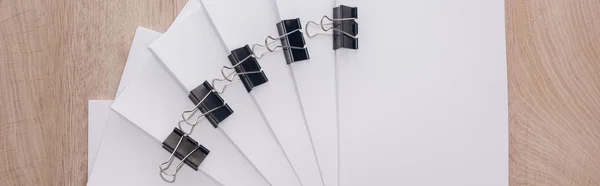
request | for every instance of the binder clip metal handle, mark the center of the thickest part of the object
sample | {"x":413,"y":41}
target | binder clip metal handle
{"x":231,"y":76}
{"x":280,"y":38}
{"x":199,"y":119}
{"x":267,"y":45}
{"x":170,"y":177}
{"x":262,"y":46}
{"x":325,"y":30}
{"x":343,"y":24}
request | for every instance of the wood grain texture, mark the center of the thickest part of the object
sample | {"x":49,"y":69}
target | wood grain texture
{"x":57,"y":54}
{"x":54,"y":56}
{"x":553,"y":53}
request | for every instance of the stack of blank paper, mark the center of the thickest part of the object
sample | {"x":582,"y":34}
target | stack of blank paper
{"x":419,"y":97}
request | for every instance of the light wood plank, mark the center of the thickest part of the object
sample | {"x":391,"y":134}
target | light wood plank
{"x":54,"y":56}
{"x":553,"y":51}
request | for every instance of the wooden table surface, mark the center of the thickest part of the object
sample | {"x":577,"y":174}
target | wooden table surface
{"x":57,"y":54}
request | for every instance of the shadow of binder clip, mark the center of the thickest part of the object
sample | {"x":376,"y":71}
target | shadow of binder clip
{"x":180,"y":145}
{"x":343,"y":24}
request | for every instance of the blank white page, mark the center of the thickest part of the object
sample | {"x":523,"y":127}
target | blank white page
{"x":97,"y":116}
{"x":316,"y":82}
{"x":278,"y":98}
{"x":129,"y":156}
{"x":423,"y":101}
{"x":192,"y":51}
{"x":154,"y":100}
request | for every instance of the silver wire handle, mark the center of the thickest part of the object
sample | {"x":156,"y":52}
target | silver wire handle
{"x":279,"y":38}
{"x":231,"y":76}
{"x":322,"y":25}
{"x":170,"y":177}
{"x":202,"y":117}
{"x":268,"y":43}
{"x":199,"y":119}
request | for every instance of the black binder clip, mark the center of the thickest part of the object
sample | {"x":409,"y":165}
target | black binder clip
{"x":246,"y":66}
{"x":208,"y":101}
{"x":292,"y":40}
{"x":186,"y":149}
{"x":344,"y":26}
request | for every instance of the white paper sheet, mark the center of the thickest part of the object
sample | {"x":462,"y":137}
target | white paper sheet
{"x":424,"y":101}
{"x":278,"y":99}
{"x":194,"y":53}
{"x":155,"y":97}
{"x":97,"y":116}
{"x":315,"y":79}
